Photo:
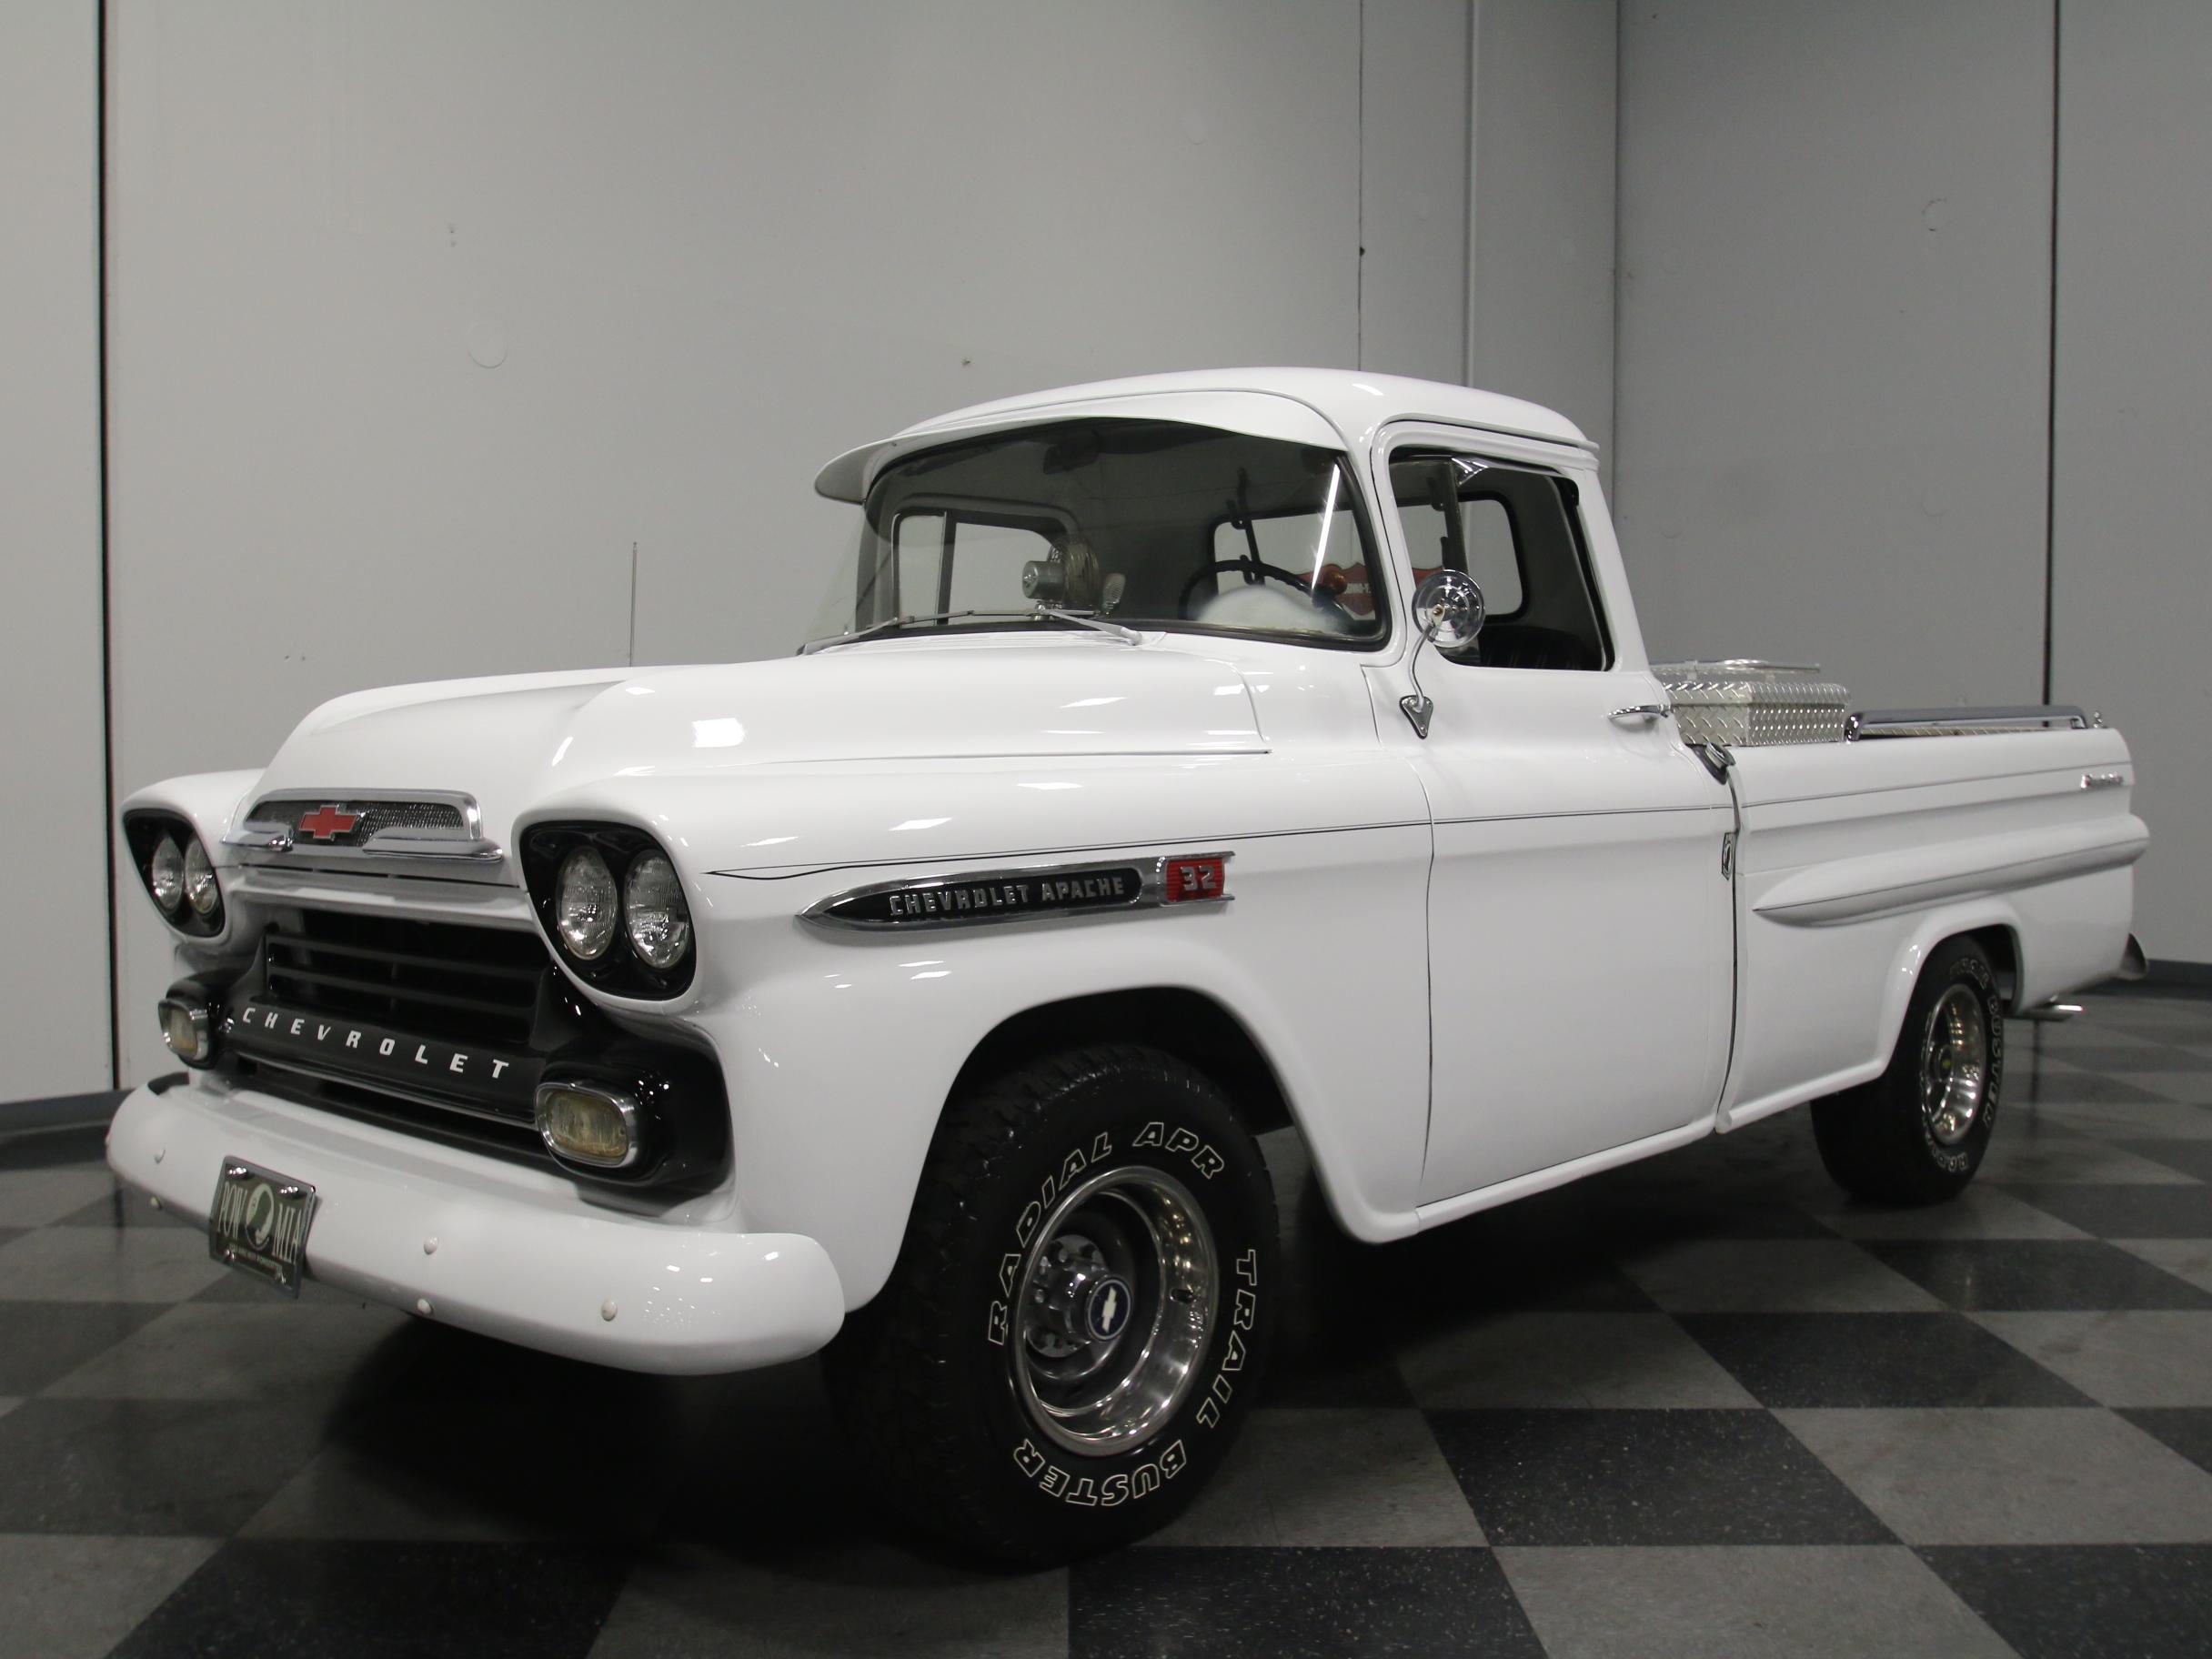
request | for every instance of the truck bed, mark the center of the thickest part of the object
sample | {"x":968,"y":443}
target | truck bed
{"x":1855,"y":857}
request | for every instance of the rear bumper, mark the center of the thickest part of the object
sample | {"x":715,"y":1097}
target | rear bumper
{"x":509,"y":1252}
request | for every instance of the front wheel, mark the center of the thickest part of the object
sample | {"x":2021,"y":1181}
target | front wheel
{"x":1077,"y":1322}
{"x":1917,"y":1134}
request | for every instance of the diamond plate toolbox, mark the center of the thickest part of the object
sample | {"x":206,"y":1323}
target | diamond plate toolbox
{"x":1743,"y":704}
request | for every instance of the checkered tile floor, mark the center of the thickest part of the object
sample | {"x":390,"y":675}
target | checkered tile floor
{"x":1703,"y":1406}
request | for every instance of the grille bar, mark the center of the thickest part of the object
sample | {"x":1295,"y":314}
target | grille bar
{"x":383,"y":991}
{"x":403,"y":959}
{"x":436,"y":979}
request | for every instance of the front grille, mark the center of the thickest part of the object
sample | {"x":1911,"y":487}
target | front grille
{"x":439,"y":979}
{"x":446,"y":1029}
{"x":373,"y":816}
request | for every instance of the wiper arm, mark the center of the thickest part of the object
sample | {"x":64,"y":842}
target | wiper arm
{"x":1092,"y":620}
{"x":1081,"y":618}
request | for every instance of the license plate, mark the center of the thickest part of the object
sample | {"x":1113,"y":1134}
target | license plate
{"x":259,"y":1223}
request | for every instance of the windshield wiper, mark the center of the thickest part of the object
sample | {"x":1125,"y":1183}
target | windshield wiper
{"x":1081,"y":618}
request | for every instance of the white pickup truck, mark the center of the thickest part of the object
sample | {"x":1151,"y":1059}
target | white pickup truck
{"x":1177,"y":760}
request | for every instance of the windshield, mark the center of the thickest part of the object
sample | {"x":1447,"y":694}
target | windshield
{"x":1150,"y":524}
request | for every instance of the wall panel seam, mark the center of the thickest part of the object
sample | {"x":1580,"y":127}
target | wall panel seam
{"x":2050,"y":419}
{"x":107,"y":679}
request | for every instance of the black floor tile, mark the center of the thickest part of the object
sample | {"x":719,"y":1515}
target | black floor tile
{"x":2117,"y":1211}
{"x":2023,"y":1275}
{"x":2191,"y":1157}
{"x":48,"y":1148}
{"x":176,"y":1466}
{"x":122,"y":1208}
{"x":2118,"y":1059}
{"x":1479,"y":1267}
{"x":2186,"y":1429}
{"x":1647,"y":1477}
{"x":330,"y":1601}
{"x":1317,"y":1369}
{"x":2027,"y":1084}
{"x":1294,"y":1603}
{"x":2088,"y":1602}
{"x":1875,"y":1360}
{"x":43,"y":1341}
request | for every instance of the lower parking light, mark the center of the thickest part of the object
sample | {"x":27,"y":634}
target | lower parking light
{"x":582,"y":1123}
{"x":187,"y":1026}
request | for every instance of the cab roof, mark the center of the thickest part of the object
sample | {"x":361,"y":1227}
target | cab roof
{"x":1338,"y":407}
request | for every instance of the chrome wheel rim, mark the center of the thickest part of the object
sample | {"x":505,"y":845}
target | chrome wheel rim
{"x":1954,"y":1066}
{"x":1118,"y":1285}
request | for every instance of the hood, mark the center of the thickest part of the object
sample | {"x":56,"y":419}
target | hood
{"x":512,"y":741}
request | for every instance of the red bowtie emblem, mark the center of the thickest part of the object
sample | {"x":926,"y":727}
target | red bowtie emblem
{"x":328,"y":823}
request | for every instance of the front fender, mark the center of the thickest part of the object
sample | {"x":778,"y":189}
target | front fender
{"x":840,"y":1049}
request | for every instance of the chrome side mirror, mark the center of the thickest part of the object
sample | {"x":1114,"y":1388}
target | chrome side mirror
{"x":1448,"y":608}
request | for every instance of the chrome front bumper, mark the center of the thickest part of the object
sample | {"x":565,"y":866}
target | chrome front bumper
{"x":507,"y":1251}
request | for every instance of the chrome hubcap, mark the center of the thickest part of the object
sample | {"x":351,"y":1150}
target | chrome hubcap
{"x":1118,"y":1285}
{"x":1954,"y":1066}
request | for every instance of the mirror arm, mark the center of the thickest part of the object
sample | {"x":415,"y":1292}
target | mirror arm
{"x":1418,"y":705}
{"x":1442,"y":595}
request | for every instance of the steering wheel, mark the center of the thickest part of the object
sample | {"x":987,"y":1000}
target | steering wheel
{"x":1246,"y":567}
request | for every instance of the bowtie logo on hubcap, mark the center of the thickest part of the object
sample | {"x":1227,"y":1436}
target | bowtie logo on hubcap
{"x":1106,"y":1310}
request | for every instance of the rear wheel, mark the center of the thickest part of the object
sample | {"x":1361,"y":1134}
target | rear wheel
{"x":1077,"y":1322}
{"x":1917,"y":1134}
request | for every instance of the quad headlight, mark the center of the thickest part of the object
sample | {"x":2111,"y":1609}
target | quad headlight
{"x":653,"y":909}
{"x":585,"y":905}
{"x":165,"y":876}
{"x":180,"y":876}
{"x":200,"y":890}
{"x":599,"y":886}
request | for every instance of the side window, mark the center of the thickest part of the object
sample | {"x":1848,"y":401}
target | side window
{"x":1493,"y":559}
{"x":987,"y":561}
{"x":918,"y":541}
{"x":1518,"y":532}
{"x":949,"y":561}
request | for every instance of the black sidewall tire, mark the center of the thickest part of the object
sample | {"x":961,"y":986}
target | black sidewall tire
{"x":1006,"y":1488}
{"x":1959,"y":962}
{"x":1876,"y":1140}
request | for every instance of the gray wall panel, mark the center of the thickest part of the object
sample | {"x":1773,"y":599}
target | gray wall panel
{"x":2132,"y":526}
{"x":1834,"y":314}
{"x":54,"y":1018}
{"x":1540,"y":308}
{"x":1413,"y":164}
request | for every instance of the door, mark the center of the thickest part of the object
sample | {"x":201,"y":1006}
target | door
{"x":1580,"y":933}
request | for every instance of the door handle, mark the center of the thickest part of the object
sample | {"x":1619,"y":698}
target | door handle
{"x":1641,"y":712}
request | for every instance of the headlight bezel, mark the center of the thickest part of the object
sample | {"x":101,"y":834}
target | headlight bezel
{"x":144,"y":830}
{"x":618,"y":970}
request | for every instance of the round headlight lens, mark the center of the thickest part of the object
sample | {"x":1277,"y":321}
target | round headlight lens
{"x":653,"y":906}
{"x":586,"y":906}
{"x":165,"y":876}
{"x":200,"y":890}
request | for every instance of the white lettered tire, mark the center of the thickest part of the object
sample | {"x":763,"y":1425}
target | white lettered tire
{"x":1080,"y":1316}
{"x":1917,"y":1134}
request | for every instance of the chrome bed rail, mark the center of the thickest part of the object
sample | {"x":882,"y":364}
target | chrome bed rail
{"x":1965,"y":723}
